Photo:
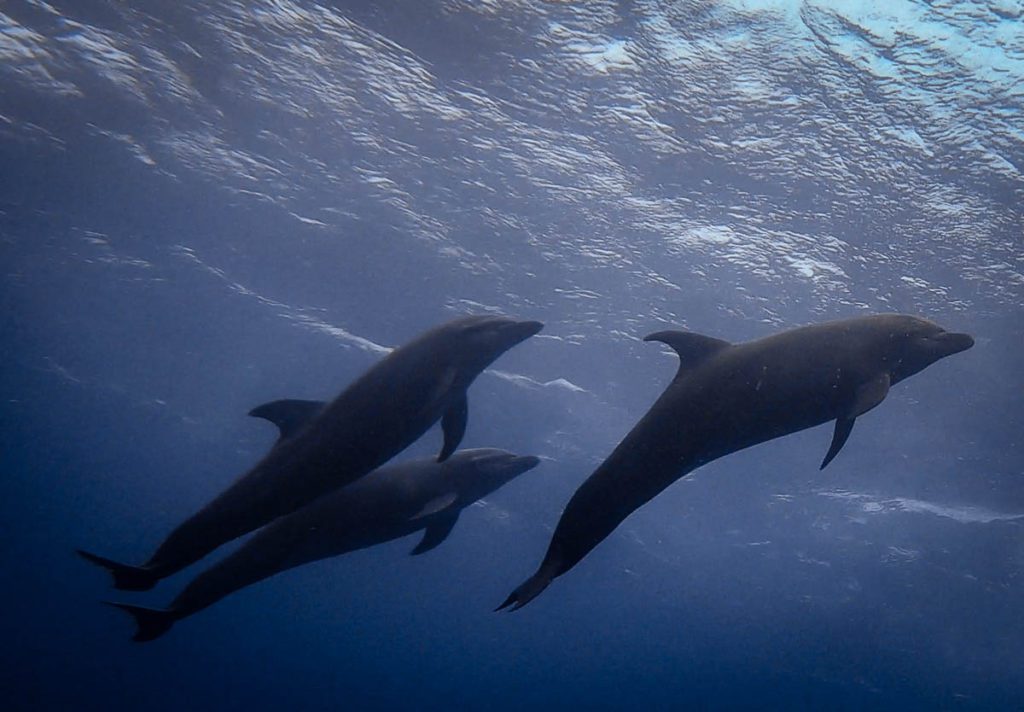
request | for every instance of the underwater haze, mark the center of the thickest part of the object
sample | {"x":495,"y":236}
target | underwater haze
{"x":207,"y":206}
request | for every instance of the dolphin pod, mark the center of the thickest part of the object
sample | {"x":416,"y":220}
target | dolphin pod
{"x":308,"y":495}
{"x":379,"y":415}
{"x":394,"y":501}
{"x":726,"y":397}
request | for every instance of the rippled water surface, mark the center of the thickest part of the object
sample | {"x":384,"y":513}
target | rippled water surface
{"x":205,"y":206}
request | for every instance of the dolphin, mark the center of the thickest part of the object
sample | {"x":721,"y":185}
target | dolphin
{"x":727,"y":397}
{"x":392,"y":502}
{"x":375,"y":418}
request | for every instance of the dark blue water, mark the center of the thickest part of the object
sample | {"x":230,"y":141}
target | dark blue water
{"x":205,"y":209}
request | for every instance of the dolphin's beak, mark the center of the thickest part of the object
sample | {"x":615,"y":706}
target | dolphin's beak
{"x":527,"y":462}
{"x":525,"y":329}
{"x":954,"y":343}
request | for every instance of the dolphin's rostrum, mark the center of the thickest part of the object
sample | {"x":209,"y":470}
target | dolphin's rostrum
{"x":375,"y":418}
{"x":727,"y":397}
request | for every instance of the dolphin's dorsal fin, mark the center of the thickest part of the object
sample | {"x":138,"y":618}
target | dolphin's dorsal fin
{"x":453,"y":424}
{"x":289,"y":415}
{"x":437,"y":504}
{"x":692,"y":348}
{"x":436,"y":533}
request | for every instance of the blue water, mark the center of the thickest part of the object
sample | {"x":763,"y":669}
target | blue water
{"x":205,"y":206}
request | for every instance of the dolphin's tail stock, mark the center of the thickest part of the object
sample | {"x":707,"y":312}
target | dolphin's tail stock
{"x":529,"y":589}
{"x":126,"y":578}
{"x":150,"y":623}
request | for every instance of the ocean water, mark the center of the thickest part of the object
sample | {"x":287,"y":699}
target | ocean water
{"x":206,"y":206}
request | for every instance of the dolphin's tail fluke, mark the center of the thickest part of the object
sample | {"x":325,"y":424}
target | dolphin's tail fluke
{"x":529,"y":590}
{"x":150,"y":623}
{"x":126,"y":578}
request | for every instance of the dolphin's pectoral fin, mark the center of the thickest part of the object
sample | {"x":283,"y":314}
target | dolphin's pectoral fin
{"x":843,"y":428}
{"x":442,"y":386}
{"x":435,"y":505}
{"x":870,"y":394}
{"x":436,"y":533}
{"x":691,"y":348}
{"x":866,"y":397}
{"x":289,"y":415}
{"x":454,"y":426}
